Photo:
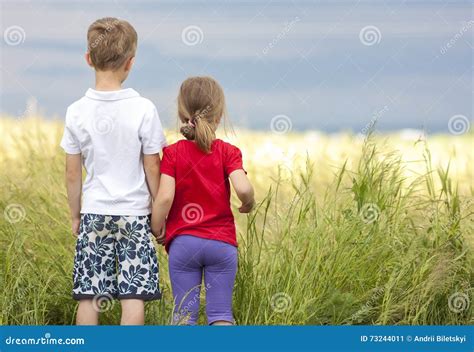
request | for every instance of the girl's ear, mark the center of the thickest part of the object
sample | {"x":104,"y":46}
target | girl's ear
{"x":88,"y":59}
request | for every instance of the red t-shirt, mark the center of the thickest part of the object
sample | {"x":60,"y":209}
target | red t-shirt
{"x":201,"y":205}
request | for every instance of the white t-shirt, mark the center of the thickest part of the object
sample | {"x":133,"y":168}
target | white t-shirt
{"x":112,"y":130}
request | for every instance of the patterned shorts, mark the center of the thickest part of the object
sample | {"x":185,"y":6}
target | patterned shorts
{"x":115,"y":257}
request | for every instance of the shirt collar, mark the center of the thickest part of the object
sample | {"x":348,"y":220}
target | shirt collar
{"x":111,"y":95}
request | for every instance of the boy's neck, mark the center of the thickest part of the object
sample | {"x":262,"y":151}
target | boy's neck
{"x":108,"y":80}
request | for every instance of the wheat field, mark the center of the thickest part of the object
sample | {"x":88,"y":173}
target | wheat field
{"x":349,"y":229}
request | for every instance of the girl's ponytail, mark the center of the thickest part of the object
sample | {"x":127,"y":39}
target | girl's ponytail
{"x":204,"y":135}
{"x":201,"y":105}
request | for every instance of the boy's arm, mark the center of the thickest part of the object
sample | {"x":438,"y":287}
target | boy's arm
{"x":244,"y":190}
{"x":74,"y":188}
{"x":151,"y":165}
{"x":162,"y":206}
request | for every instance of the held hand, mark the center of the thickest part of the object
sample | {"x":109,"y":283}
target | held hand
{"x":247,"y":207}
{"x":160,"y":236}
{"x":75,"y":226}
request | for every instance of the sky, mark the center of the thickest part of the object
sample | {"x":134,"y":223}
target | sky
{"x":315,"y":65}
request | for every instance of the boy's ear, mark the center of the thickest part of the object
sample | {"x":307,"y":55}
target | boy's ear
{"x":88,"y":59}
{"x":129,"y":64}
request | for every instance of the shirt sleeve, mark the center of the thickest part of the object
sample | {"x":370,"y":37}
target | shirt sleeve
{"x":69,"y":142}
{"x":151,"y":133}
{"x":233,"y":160}
{"x":168,"y":162}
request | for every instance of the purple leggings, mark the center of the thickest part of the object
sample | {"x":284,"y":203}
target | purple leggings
{"x":189,"y":258}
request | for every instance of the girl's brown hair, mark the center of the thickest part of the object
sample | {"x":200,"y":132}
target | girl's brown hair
{"x":201,"y":106}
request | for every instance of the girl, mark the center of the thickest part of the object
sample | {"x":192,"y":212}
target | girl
{"x":194,"y":193}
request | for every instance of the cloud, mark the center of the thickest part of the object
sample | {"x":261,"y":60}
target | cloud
{"x":299,"y":59}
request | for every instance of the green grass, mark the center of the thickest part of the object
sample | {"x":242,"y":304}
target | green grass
{"x":371,"y":248}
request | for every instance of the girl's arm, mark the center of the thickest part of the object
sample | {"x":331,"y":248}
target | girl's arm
{"x":162,"y":206}
{"x":74,"y":188}
{"x":244,"y":190}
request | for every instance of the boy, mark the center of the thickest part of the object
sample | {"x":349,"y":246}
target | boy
{"x":117,"y":135}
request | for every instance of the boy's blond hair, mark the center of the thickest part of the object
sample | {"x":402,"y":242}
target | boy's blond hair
{"x":110,"y":43}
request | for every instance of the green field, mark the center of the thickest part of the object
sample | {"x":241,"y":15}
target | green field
{"x":348,"y":230}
